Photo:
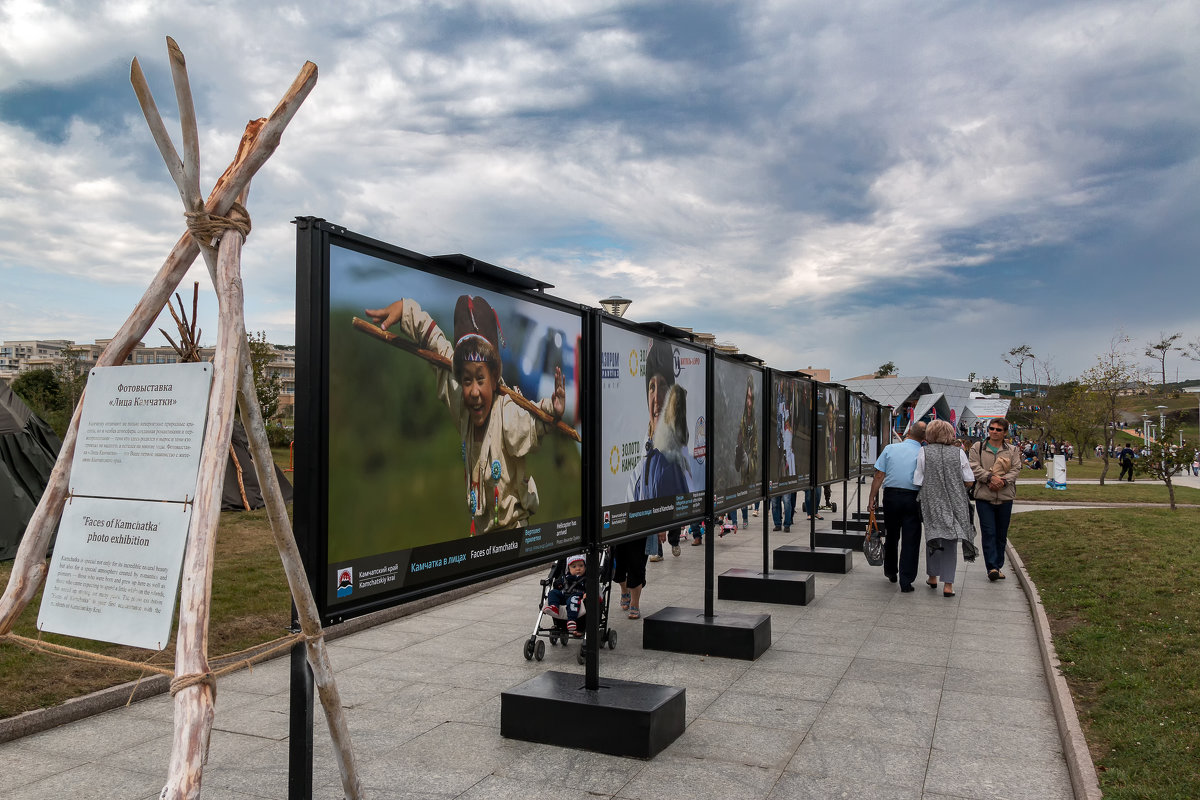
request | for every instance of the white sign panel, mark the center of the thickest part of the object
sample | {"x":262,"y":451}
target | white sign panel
{"x":116,"y":564}
{"x":141,"y":430}
{"x":116,"y":571}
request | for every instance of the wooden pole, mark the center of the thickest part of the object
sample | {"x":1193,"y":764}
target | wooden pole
{"x":29,"y":566}
{"x":185,"y":773}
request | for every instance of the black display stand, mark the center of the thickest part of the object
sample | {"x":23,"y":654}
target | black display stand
{"x":690,"y":630}
{"x":838,"y":560}
{"x":849,"y":524}
{"x":777,"y":583}
{"x":621,"y":718}
{"x":785,"y":585}
{"x":839,"y":539}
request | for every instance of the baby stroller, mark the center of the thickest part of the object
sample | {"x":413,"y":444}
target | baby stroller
{"x":554,"y":626}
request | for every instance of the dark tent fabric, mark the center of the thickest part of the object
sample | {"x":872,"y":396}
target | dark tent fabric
{"x":231,"y":496}
{"x":28,"y":450}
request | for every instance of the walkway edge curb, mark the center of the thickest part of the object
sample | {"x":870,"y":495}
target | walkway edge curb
{"x":77,"y":708}
{"x":1084,"y":781}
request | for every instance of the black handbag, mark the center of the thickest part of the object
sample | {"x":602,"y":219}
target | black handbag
{"x":873,"y":542}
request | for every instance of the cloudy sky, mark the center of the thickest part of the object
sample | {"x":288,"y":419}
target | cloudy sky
{"x":826,"y":184}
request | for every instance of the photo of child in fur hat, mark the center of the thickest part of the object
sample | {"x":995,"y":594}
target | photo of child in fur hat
{"x":497,"y":433}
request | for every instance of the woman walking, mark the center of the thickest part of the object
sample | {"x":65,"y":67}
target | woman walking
{"x":943,"y":474}
{"x":995,"y":466}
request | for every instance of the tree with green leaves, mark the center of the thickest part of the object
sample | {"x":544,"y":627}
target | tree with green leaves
{"x":1111,"y":375}
{"x":1161,"y":349}
{"x":42,"y":391}
{"x":990,"y":385}
{"x":1165,"y":460}
{"x":267,"y":384}
{"x":886,"y":370}
{"x":1079,"y":416}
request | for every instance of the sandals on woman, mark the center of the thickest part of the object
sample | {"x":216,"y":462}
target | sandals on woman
{"x":626,"y":597}
{"x":634,"y":613}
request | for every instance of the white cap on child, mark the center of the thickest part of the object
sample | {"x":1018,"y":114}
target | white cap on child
{"x":572,"y":559}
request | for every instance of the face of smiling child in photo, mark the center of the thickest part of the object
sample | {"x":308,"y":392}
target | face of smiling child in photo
{"x":478,"y":392}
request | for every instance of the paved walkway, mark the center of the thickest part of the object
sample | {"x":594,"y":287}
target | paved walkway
{"x":865,"y":693}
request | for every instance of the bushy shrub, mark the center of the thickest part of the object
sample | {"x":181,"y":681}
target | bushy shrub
{"x":279,"y":435}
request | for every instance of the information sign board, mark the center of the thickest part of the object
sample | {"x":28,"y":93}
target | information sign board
{"x":115,"y":571}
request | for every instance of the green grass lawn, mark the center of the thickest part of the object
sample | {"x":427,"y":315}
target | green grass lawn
{"x":1144,"y":492}
{"x":1122,"y":590}
{"x":251,"y":605}
{"x":1090,"y":469}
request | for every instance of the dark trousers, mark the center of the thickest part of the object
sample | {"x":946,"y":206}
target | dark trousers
{"x":993,"y":529}
{"x":673,"y":536}
{"x":1126,"y":467}
{"x":902,"y":526}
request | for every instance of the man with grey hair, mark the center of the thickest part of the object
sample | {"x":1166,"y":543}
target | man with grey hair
{"x":901,"y":513}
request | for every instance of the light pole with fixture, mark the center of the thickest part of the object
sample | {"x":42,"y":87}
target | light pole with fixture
{"x":615,"y":305}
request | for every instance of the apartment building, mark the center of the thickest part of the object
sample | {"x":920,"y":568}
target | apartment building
{"x":24,"y":355}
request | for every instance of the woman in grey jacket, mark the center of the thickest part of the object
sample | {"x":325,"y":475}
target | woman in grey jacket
{"x":996,"y":466}
{"x":943,"y":475}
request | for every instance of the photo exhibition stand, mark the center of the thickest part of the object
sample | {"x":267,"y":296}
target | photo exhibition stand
{"x":703,"y":631}
{"x":821,"y":554}
{"x":785,"y":585}
{"x":618,"y":717}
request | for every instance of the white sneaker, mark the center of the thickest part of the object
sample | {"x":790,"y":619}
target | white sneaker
{"x":675,"y":550}
{"x":656,"y":558}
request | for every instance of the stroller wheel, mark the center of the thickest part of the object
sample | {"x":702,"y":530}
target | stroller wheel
{"x":553,"y":638}
{"x":833,"y":506}
{"x":612,"y":640}
{"x":579,"y":657}
{"x":529,"y":645}
{"x":539,"y":651}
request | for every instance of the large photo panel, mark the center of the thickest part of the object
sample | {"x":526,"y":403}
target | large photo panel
{"x":737,"y":440}
{"x":653,"y":431}
{"x":790,"y":438}
{"x":870,"y":439}
{"x":831,"y":434}
{"x":453,"y":429}
{"x":855,"y":430}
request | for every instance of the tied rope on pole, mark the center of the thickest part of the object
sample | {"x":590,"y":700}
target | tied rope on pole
{"x":208,"y":228}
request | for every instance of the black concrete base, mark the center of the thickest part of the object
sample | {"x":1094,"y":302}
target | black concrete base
{"x":851,"y":539}
{"x":849,"y":525}
{"x":784,"y":587}
{"x":823,"y":559}
{"x":727,"y":635}
{"x":866,"y":515}
{"x":621,"y":718}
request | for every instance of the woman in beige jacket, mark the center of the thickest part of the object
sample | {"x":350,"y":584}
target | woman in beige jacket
{"x":996,"y":465}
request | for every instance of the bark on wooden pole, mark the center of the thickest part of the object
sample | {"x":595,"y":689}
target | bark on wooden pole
{"x":29,"y":567}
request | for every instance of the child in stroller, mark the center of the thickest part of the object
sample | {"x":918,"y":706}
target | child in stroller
{"x":564,"y":605}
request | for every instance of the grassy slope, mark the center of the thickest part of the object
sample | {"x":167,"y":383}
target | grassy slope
{"x":1122,"y":590}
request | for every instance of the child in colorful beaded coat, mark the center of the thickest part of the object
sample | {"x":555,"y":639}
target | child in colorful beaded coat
{"x":497,"y":433}
{"x":569,"y":590}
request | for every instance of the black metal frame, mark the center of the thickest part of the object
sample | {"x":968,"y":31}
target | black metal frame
{"x":677,"y":337}
{"x":315,"y":237}
{"x":755,"y":365}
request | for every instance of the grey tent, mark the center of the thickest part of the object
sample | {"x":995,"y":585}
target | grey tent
{"x":231,"y":494}
{"x":28,"y":450}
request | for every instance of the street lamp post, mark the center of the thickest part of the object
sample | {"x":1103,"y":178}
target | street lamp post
{"x":1145,"y":430}
{"x":615,"y":305}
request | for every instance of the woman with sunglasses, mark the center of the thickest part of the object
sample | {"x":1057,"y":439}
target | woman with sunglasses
{"x":996,"y":465}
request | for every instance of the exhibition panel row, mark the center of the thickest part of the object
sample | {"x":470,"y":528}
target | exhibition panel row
{"x":457,"y":422}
